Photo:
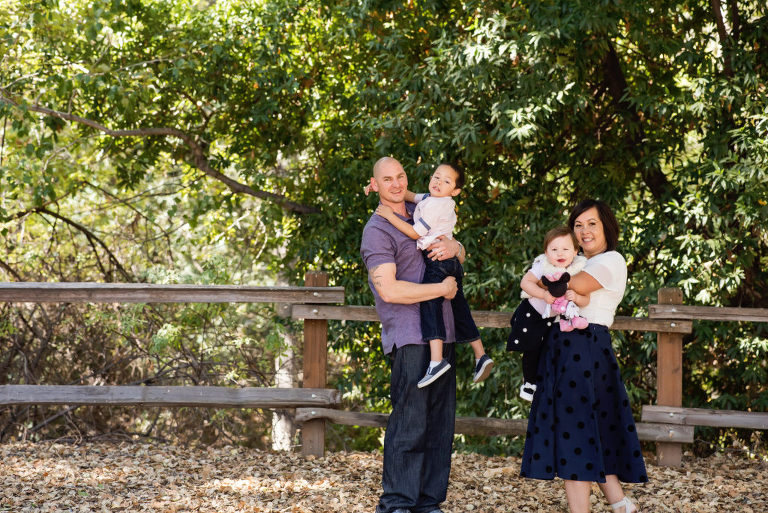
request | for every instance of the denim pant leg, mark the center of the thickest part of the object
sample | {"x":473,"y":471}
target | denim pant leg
{"x":432,"y":323}
{"x":466,"y":329}
{"x":419,"y":436}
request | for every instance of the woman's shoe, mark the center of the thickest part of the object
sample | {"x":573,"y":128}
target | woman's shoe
{"x":625,"y":503}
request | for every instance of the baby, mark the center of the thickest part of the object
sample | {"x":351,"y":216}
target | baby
{"x":533,"y":318}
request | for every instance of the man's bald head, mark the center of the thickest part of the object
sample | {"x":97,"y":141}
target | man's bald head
{"x":390,"y":181}
{"x":383,"y":163}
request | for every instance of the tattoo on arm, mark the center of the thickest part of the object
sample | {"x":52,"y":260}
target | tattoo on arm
{"x":376,"y":276}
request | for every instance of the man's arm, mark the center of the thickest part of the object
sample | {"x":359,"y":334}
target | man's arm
{"x":392,"y":290}
{"x":445,"y":248}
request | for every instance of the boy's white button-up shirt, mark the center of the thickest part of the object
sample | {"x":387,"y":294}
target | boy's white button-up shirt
{"x":432,"y":218}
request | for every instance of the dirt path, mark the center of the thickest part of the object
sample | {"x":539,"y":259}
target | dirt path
{"x":166,"y":478}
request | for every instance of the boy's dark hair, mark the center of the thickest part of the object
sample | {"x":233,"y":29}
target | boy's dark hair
{"x":461,"y":177}
{"x":610,"y":224}
{"x":560,"y":231}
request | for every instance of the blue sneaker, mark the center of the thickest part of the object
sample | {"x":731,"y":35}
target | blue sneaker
{"x":483,"y":369}
{"x":431,"y":375}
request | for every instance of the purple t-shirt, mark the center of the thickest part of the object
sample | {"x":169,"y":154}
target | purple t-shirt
{"x":384,"y":244}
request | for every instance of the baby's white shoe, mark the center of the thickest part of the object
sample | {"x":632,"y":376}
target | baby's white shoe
{"x":527,"y":390}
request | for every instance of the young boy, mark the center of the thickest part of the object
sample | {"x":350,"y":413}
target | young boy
{"x":554,"y":268}
{"x":435,"y":216}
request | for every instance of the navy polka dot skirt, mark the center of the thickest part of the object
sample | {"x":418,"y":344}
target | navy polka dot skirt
{"x":581,"y":426}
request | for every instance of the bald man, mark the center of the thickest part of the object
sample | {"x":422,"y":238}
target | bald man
{"x":419,"y":437}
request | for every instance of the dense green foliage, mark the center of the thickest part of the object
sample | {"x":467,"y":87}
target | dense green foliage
{"x":256,"y":125}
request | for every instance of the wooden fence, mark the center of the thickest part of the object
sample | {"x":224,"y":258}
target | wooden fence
{"x":667,"y":424}
{"x":173,"y":396}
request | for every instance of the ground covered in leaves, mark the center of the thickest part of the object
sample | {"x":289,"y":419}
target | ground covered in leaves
{"x":155,"y":477}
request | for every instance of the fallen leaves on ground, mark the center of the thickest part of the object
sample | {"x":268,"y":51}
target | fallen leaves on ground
{"x":107,"y":477}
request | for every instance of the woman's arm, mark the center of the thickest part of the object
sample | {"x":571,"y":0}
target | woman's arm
{"x":584,"y":284}
{"x":580,"y":300}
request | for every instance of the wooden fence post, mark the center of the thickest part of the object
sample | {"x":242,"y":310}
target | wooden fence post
{"x":669,"y":377}
{"x":315,"y":359}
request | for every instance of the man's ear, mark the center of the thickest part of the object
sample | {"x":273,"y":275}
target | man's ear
{"x":374,"y":185}
{"x":455,"y":192}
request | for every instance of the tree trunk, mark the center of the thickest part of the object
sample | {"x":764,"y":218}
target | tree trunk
{"x":283,"y":425}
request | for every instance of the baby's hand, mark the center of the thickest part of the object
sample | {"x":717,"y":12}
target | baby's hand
{"x":367,"y":189}
{"x":385,"y":211}
{"x":570,"y":295}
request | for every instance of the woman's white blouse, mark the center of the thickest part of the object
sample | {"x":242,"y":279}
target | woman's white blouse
{"x":610,"y":270}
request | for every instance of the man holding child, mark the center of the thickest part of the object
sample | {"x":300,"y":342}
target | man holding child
{"x":419,"y":437}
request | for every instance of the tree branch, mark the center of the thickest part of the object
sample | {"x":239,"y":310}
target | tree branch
{"x":723,"y":33}
{"x":735,"y":20}
{"x":616,"y":84}
{"x":10,"y":270}
{"x":90,"y":236}
{"x":200,"y":159}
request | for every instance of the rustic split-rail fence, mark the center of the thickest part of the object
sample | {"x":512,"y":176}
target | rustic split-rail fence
{"x":666,"y":423}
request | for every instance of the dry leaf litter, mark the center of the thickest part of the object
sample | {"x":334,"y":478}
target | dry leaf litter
{"x":108,"y":477}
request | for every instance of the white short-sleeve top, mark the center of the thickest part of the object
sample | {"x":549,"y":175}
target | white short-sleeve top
{"x":610,"y":270}
{"x":432,"y":218}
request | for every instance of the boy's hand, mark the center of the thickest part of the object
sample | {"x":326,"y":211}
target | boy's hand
{"x":385,"y":211}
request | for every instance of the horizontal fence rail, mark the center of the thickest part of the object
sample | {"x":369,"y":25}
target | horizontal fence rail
{"x":196,"y":396}
{"x":705,"y":417}
{"x":486,"y":426}
{"x":483,"y":318}
{"x":708,"y":313}
{"x":41,"y":292}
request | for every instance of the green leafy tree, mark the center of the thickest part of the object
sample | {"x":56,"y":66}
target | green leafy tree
{"x":246,"y":132}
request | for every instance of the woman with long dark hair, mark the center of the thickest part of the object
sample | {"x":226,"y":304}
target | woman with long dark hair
{"x":580,"y":427}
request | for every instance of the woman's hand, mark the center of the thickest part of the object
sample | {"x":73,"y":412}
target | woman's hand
{"x":444,"y":248}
